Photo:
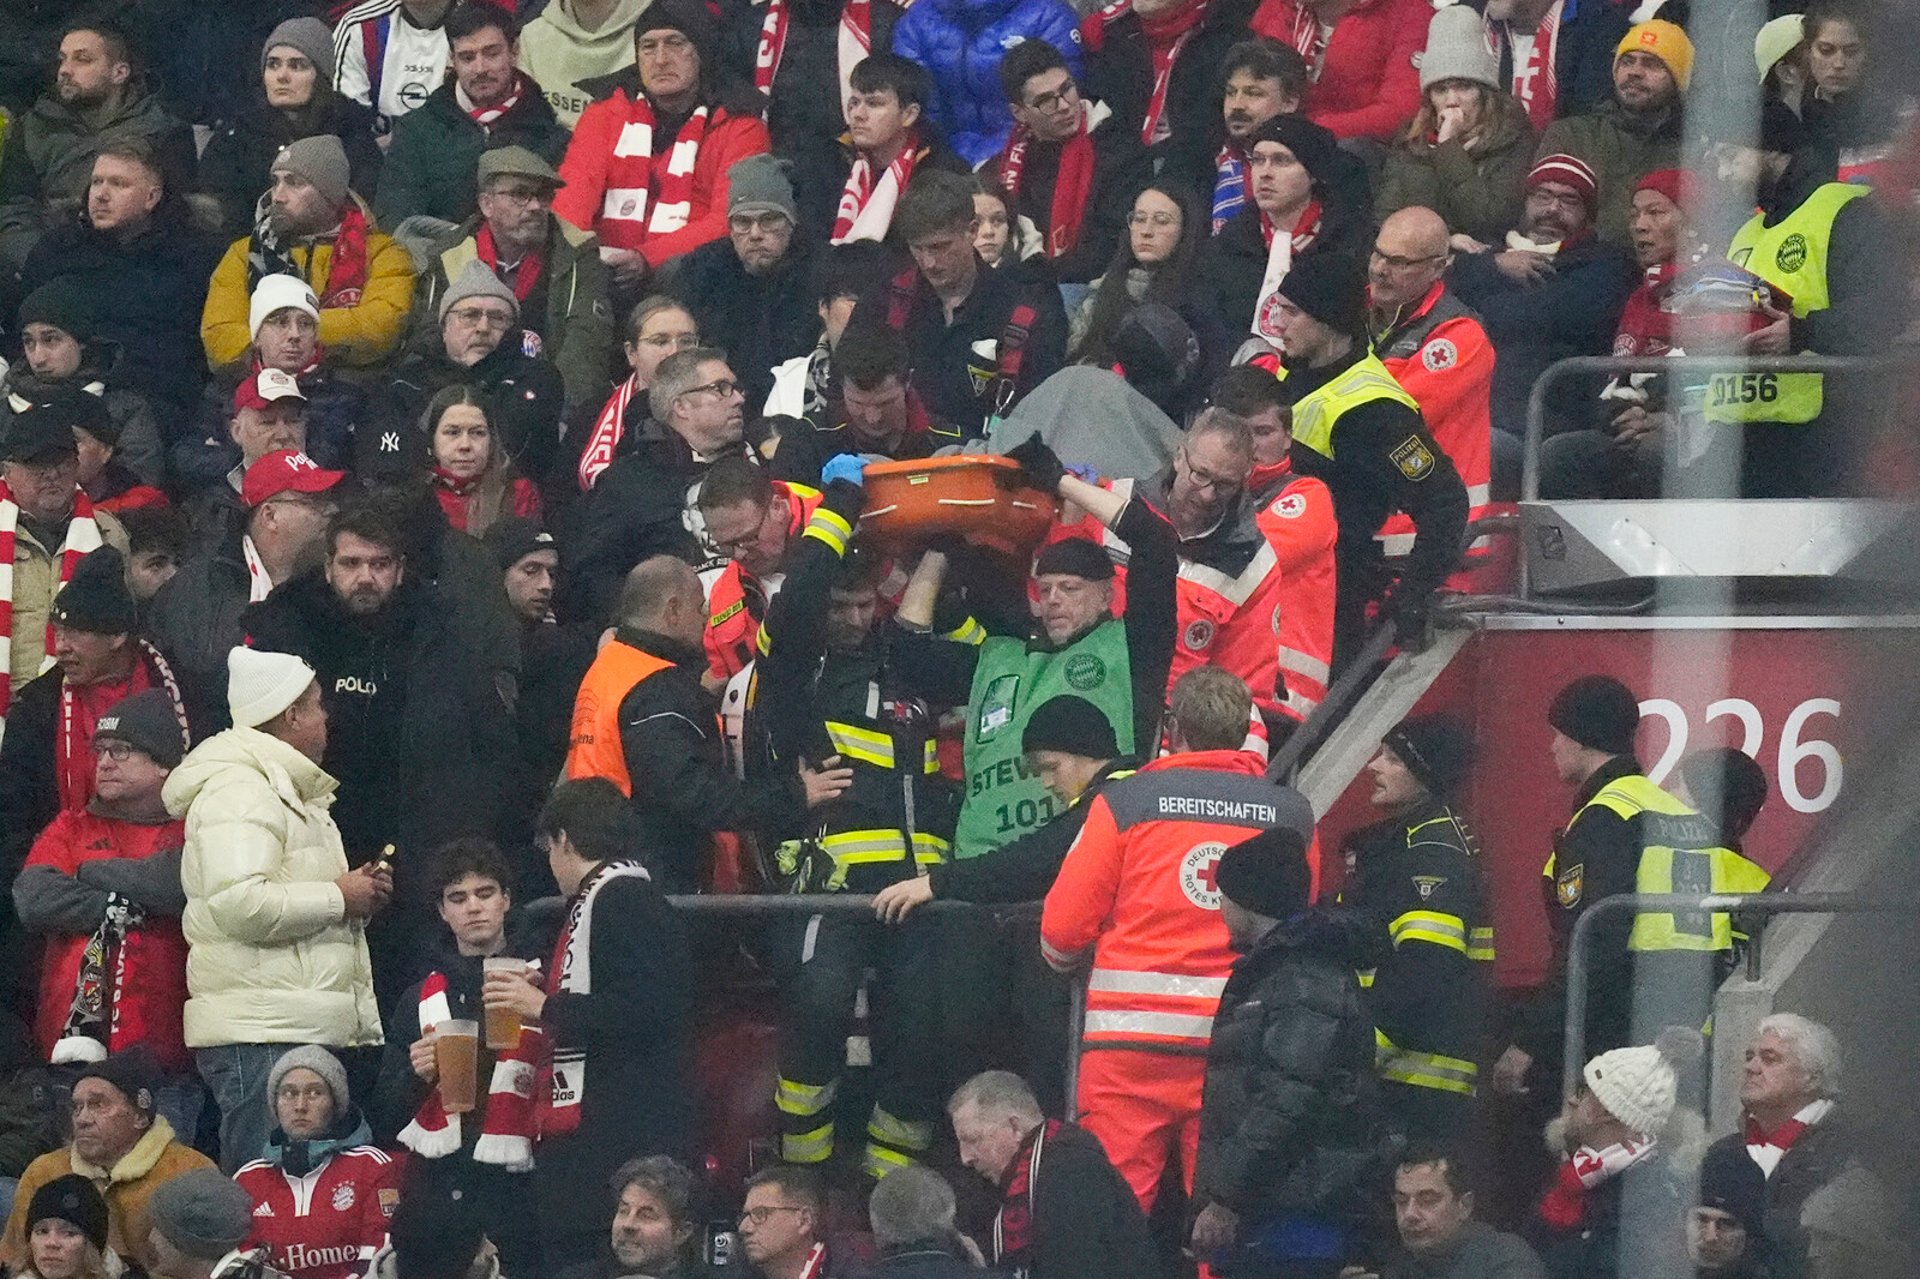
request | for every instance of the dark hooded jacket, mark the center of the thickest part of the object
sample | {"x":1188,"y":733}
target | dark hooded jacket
{"x":234,"y":167}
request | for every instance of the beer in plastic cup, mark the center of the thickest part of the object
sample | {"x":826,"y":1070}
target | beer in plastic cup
{"x":456,"y":1051}
{"x":503,"y":1024}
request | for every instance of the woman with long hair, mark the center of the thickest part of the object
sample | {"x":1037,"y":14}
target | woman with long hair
{"x":67,"y":1233}
{"x":658,"y":326}
{"x":1154,"y":262}
{"x":472,"y":475}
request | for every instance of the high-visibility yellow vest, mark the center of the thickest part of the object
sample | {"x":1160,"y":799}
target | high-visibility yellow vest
{"x":1791,"y":256}
{"x":1320,"y":410}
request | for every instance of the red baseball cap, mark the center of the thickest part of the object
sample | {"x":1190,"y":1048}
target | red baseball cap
{"x":285,"y":471}
{"x":265,"y":387}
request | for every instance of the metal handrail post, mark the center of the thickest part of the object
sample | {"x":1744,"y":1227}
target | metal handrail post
{"x":1352,"y":682}
{"x":1076,"y":1027}
{"x":1574,"y":1039}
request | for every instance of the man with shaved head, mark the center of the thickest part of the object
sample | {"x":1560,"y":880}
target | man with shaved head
{"x":1434,"y":346}
{"x":644,"y":721}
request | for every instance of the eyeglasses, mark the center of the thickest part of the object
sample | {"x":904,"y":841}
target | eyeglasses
{"x":1163,"y":221}
{"x":742,"y":223}
{"x":759,"y":1216}
{"x":1565,"y":199}
{"x":1203,"y":480}
{"x":723,"y":388}
{"x":1398,"y":263}
{"x":521,"y":195}
{"x":1059,"y":97}
{"x":118,"y":752}
{"x":304,"y":1092}
{"x":477,"y":316}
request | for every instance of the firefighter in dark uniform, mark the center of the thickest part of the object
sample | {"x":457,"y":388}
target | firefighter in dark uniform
{"x":1416,"y":878}
{"x":1644,"y":971}
{"x":1358,"y":430}
{"x":823,"y":688}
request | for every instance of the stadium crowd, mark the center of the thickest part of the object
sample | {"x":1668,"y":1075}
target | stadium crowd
{"x":434,"y":448}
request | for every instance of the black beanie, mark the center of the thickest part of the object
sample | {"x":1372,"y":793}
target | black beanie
{"x":1312,"y":145}
{"x":1332,"y":288}
{"x":1078,"y":556}
{"x":74,"y":1200}
{"x":63,"y":304}
{"x":146,"y":722}
{"x":1731,"y":1182}
{"x":1598,"y":712}
{"x":434,"y":1236}
{"x":134,"y":1071}
{"x":1071,"y":725}
{"x":1267,"y":874}
{"x":692,"y":19}
{"x":514,"y":538}
{"x":96,"y":598}
{"x":1436,"y":749}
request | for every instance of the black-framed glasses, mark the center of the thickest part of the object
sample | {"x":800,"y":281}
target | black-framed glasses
{"x":760,"y":1216}
{"x":1059,"y":97}
{"x":721,"y":387}
{"x":1398,"y":263}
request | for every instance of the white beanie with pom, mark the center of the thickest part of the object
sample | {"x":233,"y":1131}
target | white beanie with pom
{"x":261,"y":684}
{"x":1638,"y":1085}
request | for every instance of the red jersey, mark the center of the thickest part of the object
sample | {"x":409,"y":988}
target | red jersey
{"x":329,"y":1223}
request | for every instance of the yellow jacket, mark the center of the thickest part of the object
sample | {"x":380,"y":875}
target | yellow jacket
{"x":127,"y":1187}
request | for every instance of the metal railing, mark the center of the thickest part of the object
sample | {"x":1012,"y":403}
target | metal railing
{"x":1578,"y":944}
{"x":1341,"y":697}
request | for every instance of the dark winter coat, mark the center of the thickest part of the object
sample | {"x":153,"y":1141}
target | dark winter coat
{"x":821,"y":179}
{"x":960,"y":43}
{"x":922,"y":1261}
{"x":758,"y":320}
{"x":234,"y":167}
{"x":1621,"y":148}
{"x":139,"y":449}
{"x":431,"y":166}
{"x":1823,"y":1153}
{"x":1025,"y":869}
{"x":553,"y":660}
{"x":1478,"y":191}
{"x":1653,"y":1191}
{"x":336,"y":409}
{"x":195,"y":622}
{"x":1086,"y":1222}
{"x":1121,"y":166}
{"x":805,"y":112}
{"x":1232,"y":263}
{"x":525,"y":400}
{"x":1477,"y":1252}
{"x":1120,"y":73}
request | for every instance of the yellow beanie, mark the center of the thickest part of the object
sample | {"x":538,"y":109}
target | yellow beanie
{"x":1665,"y":41}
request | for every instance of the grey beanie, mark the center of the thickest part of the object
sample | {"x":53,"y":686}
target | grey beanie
{"x":320,"y":1062}
{"x":758,"y":184}
{"x":322,"y":161}
{"x":1457,"y":49}
{"x":310,"y":37}
{"x":202,"y":1213}
{"x":476,"y":280}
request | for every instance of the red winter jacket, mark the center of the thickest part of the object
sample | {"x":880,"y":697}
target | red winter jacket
{"x":1368,"y":86}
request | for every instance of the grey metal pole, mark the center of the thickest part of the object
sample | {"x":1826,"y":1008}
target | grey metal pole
{"x":1076,"y":1026}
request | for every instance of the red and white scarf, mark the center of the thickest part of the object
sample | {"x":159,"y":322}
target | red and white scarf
{"x":507,"y":1127}
{"x":1167,"y":34}
{"x":866,"y":206}
{"x":259,"y":581}
{"x":1071,"y":186}
{"x":1280,"y":251}
{"x":597,"y":455}
{"x":525,"y":276}
{"x":1768,"y":1148}
{"x":83,"y":535}
{"x":81,"y":708}
{"x":855,"y":42}
{"x":816,"y":1264}
{"x":1309,"y":38}
{"x":487,"y":117}
{"x":648,"y":195}
{"x":1537,"y":82}
{"x":1013,"y":1224}
{"x":573,"y":973}
{"x":1564,"y":1206}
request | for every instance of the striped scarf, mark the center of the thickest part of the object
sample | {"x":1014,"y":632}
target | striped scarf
{"x":1231,"y":186}
{"x":866,"y":205}
{"x":507,"y":1124}
{"x":1013,"y":1224}
{"x":487,"y":117}
{"x":83,"y":535}
{"x":1537,"y":84}
{"x":854,"y":43}
{"x":604,"y":439}
{"x":648,"y":195}
{"x":572,"y":970}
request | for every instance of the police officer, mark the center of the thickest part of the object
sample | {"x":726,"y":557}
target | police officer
{"x":1416,"y":877}
{"x":1627,"y":835}
{"x":825,"y":688}
{"x":1357,"y":429}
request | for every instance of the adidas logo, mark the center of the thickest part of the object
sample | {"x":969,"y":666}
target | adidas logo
{"x":264,"y":1210}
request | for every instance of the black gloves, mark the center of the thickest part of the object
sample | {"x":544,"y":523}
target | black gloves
{"x":1039,"y":463}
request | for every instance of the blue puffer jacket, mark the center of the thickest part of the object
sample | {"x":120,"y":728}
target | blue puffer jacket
{"x":960,"y":43}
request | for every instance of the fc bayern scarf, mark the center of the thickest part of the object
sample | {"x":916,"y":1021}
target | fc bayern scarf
{"x":487,"y":117}
{"x":524,"y":278}
{"x":268,"y":254}
{"x":1070,"y":188}
{"x":1309,"y":38}
{"x":866,"y":205}
{"x":597,"y":455}
{"x":1167,"y":34}
{"x":1537,"y":84}
{"x":855,"y":42}
{"x":96,"y":990}
{"x":648,"y":195}
{"x":80,"y":711}
{"x":1280,"y":251}
{"x":507,"y":1127}
{"x":573,"y":973}
{"x":1013,"y":1224}
{"x":1564,"y":1206}
{"x":83,"y":535}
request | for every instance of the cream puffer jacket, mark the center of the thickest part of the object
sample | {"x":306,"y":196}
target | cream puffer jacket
{"x":273,"y":958}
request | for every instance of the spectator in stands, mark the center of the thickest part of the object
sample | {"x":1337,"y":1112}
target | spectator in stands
{"x":1067,"y":175}
{"x":783,"y":1225}
{"x":298,"y":100}
{"x":912,"y":1214}
{"x":647,"y":169}
{"x":327,"y":1191}
{"x":312,"y":225}
{"x":1365,"y":83}
{"x":67,"y":1232}
{"x":1855,"y":1229}
{"x":195,"y":619}
{"x":489,"y":102}
{"x":656,"y":1223}
{"x":1838,"y":303}
{"x":1556,"y":56}
{"x":1634,"y":132}
{"x":880,"y":415}
{"x":1439,"y":1236}
{"x":475,"y":887}
{"x":849,"y":194}
{"x":200,"y":1221}
{"x":1079,"y":1219}
{"x":1436,"y":348}
{"x":156,"y":545}
{"x":121,"y":1143}
{"x":1156,"y":262}
{"x":656,"y":328}
{"x":961,"y":43}
{"x":1553,"y":291}
{"x":571,"y":45}
{"x":478,"y":347}
{"x":99,"y":99}
{"x":267,"y":414}
{"x":1291,"y":216}
{"x":274,"y":918}
{"x":1262,"y":79}
{"x":141,"y":260}
{"x":1850,"y":105}
{"x":552,"y":266}
{"x":1290,"y":1119}
{"x":993,"y":225}
{"x":390,"y":55}
{"x":638,"y":724}
{"x":807,"y":64}
{"x":752,"y":293}
{"x":978,"y":339}
{"x":476,"y":482}
{"x":63,"y":350}
{"x":1154,"y":65}
{"x":107,"y":484}
{"x":1466,"y":151}
{"x":807,"y":385}
{"x":47,"y":524}
{"x":1726,"y":1229}
{"x":616,"y":1014}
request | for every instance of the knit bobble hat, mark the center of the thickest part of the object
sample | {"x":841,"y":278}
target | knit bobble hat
{"x":1598,"y":712}
{"x":1638,"y":1085}
{"x":1071,"y":725}
{"x":260,"y":684}
{"x":1457,"y":50}
{"x":1267,"y":874}
{"x":476,"y":280}
{"x":309,"y":38}
{"x":96,"y":599}
{"x":322,"y":161}
{"x":202,"y":1214}
{"x":1332,"y":288}
{"x":74,"y":1200}
{"x":320,"y":1062}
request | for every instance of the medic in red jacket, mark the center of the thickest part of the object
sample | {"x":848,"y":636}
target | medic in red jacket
{"x":753,"y":520}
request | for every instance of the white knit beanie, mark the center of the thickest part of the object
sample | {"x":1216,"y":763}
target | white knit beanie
{"x":278,"y":293}
{"x":1638,"y":1085}
{"x":260,"y":684}
{"x":1457,"y":49}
